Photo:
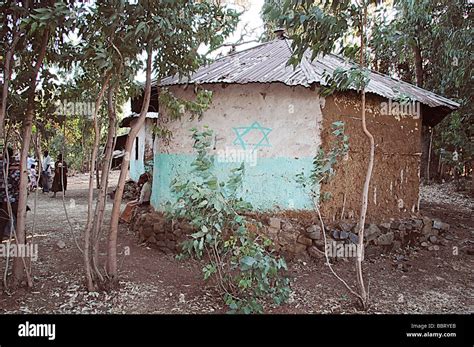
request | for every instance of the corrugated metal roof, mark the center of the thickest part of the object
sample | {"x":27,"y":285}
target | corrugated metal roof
{"x":267,"y":63}
{"x":125,"y":122}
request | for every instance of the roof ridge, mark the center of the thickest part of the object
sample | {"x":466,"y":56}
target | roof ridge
{"x":244,"y":50}
{"x":230,"y":55}
{"x":407,"y":84}
{"x":305,"y":73}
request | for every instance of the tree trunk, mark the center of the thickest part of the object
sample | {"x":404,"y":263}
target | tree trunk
{"x":97,"y":173}
{"x":38,"y":152}
{"x":368,"y":176}
{"x":114,"y":219}
{"x":7,"y":71}
{"x":84,"y":156}
{"x":19,"y":263}
{"x":90,"y":198}
{"x":425,"y":145}
{"x":418,"y":65}
{"x":472,"y":178}
{"x":425,"y":129}
{"x":428,"y":164}
{"x":106,"y":164}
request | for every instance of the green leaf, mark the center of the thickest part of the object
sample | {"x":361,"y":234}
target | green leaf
{"x":248,"y":261}
{"x":140,"y":27}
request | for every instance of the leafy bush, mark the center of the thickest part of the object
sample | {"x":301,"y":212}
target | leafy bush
{"x":240,"y":259}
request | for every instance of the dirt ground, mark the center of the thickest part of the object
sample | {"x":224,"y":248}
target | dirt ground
{"x":411,"y":281}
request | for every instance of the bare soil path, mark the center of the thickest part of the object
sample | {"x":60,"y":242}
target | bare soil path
{"x":152,"y":282}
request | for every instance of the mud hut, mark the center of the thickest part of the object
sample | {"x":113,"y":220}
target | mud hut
{"x":273,"y":117}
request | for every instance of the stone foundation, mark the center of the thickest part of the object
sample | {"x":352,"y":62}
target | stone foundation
{"x":302,"y":237}
{"x":154,"y":229}
{"x":293,"y":239}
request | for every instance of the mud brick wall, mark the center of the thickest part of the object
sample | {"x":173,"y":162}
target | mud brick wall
{"x":394,"y":188}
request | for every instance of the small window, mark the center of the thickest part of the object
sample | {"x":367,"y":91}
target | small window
{"x":136,"y":148}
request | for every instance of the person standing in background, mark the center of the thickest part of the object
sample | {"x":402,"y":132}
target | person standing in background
{"x":60,"y":176}
{"x":32,"y":177}
{"x":46,"y":172}
{"x":30,"y":161}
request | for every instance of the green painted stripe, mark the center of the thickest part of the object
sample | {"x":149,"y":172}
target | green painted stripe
{"x":268,"y":185}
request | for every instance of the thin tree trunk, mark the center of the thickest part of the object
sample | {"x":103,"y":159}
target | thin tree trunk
{"x":7,"y":71}
{"x":429,"y":157}
{"x":90,"y":198}
{"x":418,"y":65}
{"x":114,"y":219}
{"x":365,"y":190}
{"x":425,"y":142}
{"x":472,"y":178}
{"x":83,"y":145}
{"x":19,"y":263}
{"x":37,"y":144}
{"x":97,"y":173}
{"x":106,"y":164}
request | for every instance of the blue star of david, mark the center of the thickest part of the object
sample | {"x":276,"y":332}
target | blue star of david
{"x":240,"y":132}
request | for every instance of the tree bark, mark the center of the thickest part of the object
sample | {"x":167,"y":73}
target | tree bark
{"x":425,"y":145}
{"x":90,"y":198}
{"x":472,"y":178}
{"x":106,"y":165}
{"x":368,"y":176}
{"x":7,"y":71}
{"x":83,"y":145}
{"x":19,"y":263}
{"x":425,"y":129}
{"x":97,"y":173}
{"x":418,"y":65}
{"x":114,"y":219}
{"x":428,"y":164}
{"x":38,"y":152}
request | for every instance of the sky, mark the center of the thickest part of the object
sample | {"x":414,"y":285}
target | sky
{"x":250,"y":22}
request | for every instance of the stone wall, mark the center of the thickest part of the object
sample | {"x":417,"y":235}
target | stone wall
{"x":154,"y":229}
{"x":302,"y":237}
{"x":293,"y":239}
